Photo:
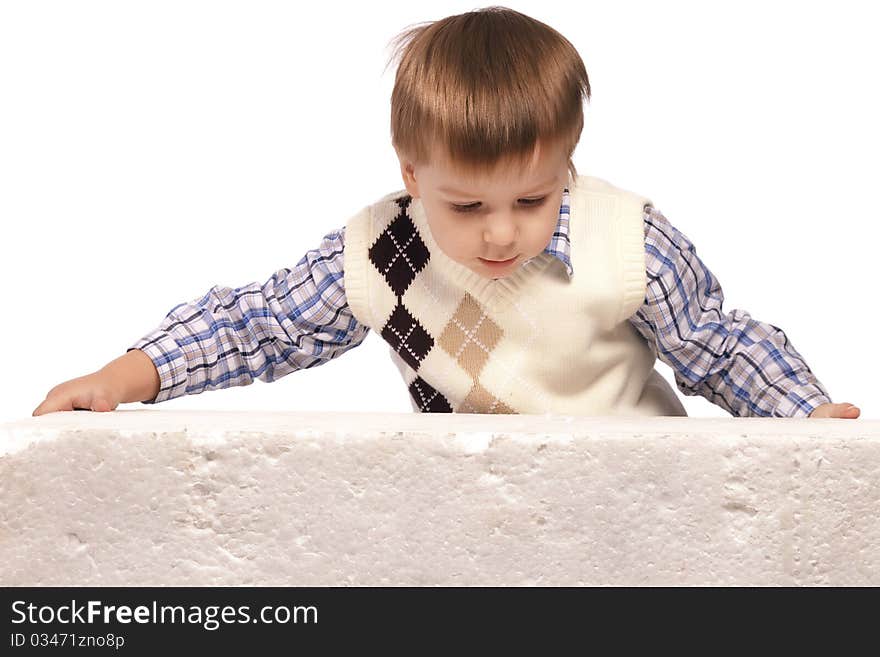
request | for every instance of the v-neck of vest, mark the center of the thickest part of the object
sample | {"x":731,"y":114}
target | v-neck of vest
{"x":494,"y":294}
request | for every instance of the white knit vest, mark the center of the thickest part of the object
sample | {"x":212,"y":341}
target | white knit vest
{"x":533,"y":342}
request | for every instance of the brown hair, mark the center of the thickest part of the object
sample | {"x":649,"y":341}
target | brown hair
{"x":485,"y":86}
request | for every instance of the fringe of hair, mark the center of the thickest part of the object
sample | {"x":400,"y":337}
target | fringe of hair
{"x":481,"y":89}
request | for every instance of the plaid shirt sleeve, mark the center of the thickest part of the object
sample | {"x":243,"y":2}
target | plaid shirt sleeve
{"x":747,"y":367}
{"x":295,"y":320}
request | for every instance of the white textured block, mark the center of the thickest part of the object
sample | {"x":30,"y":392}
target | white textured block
{"x":155,"y":497}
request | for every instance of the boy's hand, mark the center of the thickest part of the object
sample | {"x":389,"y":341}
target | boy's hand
{"x":93,"y":392}
{"x":847,"y":411}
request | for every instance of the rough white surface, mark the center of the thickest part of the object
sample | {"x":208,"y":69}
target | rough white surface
{"x":155,"y":497}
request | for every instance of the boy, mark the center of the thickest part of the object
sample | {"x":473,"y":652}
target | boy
{"x":502,"y":280}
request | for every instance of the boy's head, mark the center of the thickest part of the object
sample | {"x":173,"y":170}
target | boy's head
{"x":486,"y":112}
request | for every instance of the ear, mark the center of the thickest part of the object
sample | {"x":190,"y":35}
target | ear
{"x":407,"y":172}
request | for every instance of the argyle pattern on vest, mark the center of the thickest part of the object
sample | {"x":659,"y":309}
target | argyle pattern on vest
{"x":399,"y":255}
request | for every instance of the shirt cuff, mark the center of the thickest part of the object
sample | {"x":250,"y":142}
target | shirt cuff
{"x":169,"y":361}
{"x":800,"y":401}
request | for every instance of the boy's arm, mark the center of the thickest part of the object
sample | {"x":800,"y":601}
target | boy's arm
{"x":747,"y":367}
{"x":297,"y":319}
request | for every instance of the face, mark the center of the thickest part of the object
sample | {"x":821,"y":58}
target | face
{"x":506,"y":216}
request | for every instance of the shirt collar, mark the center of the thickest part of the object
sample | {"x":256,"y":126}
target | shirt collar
{"x":560,"y":245}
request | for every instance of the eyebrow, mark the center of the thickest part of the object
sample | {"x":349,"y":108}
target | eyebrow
{"x":455,"y":191}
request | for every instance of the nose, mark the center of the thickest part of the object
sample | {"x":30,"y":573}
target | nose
{"x":500,"y":231}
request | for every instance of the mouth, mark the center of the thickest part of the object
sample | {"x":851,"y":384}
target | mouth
{"x":498,"y":267}
{"x":498,"y":262}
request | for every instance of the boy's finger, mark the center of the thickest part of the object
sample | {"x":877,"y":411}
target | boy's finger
{"x":45,"y":407}
{"x":845,"y":411}
{"x":52,"y":405}
{"x":100,"y":404}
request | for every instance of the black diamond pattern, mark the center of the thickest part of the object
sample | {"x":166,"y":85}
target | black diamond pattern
{"x":399,"y":253}
{"x":408,"y":338}
{"x":427,"y":398}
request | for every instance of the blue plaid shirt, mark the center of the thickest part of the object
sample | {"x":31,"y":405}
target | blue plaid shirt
{"x":299,"y":318}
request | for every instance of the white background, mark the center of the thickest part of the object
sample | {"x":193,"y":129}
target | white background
{"x":151,"y":150}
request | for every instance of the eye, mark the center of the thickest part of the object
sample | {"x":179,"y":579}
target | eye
{"x":465,"y":208}
{"x":527,"y":202}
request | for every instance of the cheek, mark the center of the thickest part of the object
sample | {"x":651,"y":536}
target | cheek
{"x":538,"y":234}
{"x":463,"y":240}
{"x":452,"y":236}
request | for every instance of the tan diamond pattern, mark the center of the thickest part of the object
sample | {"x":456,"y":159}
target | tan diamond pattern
{"x":469,"y":337}
{"x":480,"y":400}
